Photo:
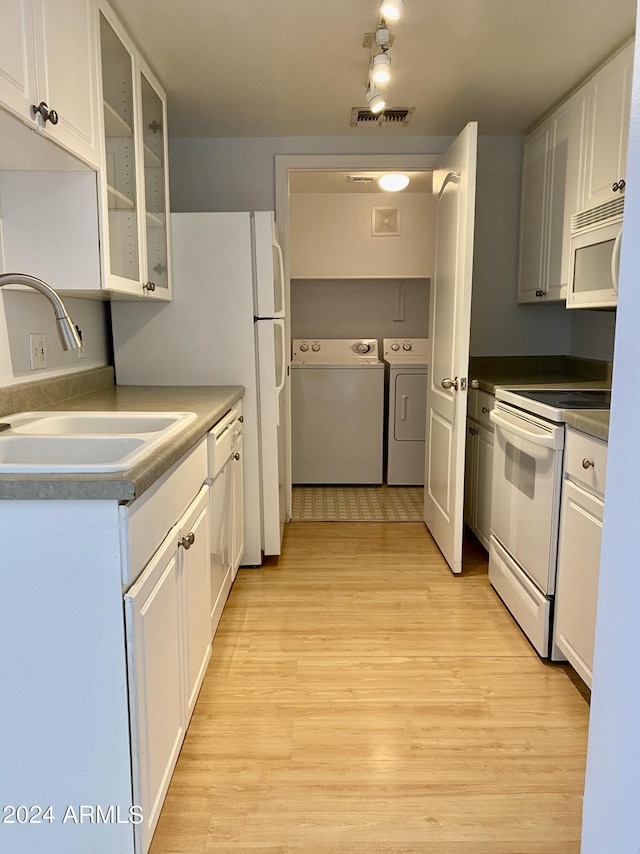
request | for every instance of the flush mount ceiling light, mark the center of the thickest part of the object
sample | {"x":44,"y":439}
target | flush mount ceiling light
{"x":392,"y":9}
{"x":393,"y":181}
{"x":375,"y":100}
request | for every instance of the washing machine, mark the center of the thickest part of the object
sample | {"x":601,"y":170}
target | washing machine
{"x":337,"y":411}
{"x":407,"y":361}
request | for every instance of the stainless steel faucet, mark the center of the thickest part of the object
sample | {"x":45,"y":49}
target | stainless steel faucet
{"x":67,"y":331}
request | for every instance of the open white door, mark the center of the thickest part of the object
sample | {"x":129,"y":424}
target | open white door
{"x":454,"y":185}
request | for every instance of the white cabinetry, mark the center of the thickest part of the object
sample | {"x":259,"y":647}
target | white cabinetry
{"x":551,"y":192}
{"x":608,"y":129}
{"x":168,"y":647}
{"x":118,"y":684}
{"x":48,"y":71}
{"x":579,"y":550}
{"x":573,"y":160}
{"x":134,"y":179}
{"x":479,"y":465}
{"x":227,"y":512}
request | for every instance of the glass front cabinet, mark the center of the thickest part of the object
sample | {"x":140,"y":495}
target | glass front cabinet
{"x":134,"y":181}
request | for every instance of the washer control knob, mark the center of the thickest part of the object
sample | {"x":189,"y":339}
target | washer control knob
{"x":315,"y":347}
{"x":395,"y":347}
{"x":363,"y":347}
{"x":304,"y":348}
{"x":407,"y":347}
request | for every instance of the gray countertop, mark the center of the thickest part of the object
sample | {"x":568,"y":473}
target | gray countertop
{"x":209,"y":403}
{"x":496,"y":373}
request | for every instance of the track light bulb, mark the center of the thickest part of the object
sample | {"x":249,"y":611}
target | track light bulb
{"x":381,"y":71}
{"x":392,"y":9}
{"x":376,"y":102}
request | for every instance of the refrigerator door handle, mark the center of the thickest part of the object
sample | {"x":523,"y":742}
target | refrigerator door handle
{"x":279,"y":324}
{"x":278,"y":248}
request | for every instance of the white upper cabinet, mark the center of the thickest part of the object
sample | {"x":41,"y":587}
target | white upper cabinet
{"x":533,"y":213}
{"x":47,"y":71}
{"x":134,"y":179}
{"x":573,"y":160}
{"x":608,"y":129}
{"x":568,"y":125}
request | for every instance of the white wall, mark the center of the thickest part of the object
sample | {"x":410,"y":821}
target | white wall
{"x":611,"y":820}
{"x":331,"y":236}
{"x":49,"y":229}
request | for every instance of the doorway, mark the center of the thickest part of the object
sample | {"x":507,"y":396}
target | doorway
{"x":345,"y":282}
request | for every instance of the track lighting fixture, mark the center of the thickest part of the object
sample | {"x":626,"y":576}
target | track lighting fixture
{"x":375,"y":100}
{"x":392,"y":9}
{"x":381,"y":69}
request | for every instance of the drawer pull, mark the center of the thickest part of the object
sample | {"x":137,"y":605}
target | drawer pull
{"x":187,"y":542}
{"x":485,"y":410}
{"x":587,"y":463}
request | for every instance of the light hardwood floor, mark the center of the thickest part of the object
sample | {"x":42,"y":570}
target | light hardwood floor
{"x":362,"y":700}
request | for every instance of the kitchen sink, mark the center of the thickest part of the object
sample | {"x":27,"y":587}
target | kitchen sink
{"x":95,"y":423}
{"x":83,"y":441}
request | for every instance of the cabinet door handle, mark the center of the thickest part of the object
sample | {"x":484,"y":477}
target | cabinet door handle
{"x":241,"y":419}
{"x":188,"y":541}
{"x":150,"y":286}
{"x":587,"y":464}
{"x":619,"y":185}
{"x":485,"y":410}
{"x":47,"y":114}
{"x":236,"y":456}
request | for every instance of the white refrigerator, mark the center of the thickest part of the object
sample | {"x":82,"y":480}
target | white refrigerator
{"x":224,"y":326}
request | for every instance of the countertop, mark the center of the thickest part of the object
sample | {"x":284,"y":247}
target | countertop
{"x":493,"y":373}
{"x":209,"y":403}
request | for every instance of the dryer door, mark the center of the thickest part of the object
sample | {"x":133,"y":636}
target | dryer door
{"x":411,"y":407}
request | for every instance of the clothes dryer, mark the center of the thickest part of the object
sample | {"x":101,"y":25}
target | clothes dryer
{"x":337,"y":411}
{"x":407,"y":365}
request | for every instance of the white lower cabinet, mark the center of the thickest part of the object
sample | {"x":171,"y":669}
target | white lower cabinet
{"x":479,"y":465}
{"x":227,"y":509}
{"x":168,"y":648}
{"x":153,"y":609}
{"x":579,"y":551}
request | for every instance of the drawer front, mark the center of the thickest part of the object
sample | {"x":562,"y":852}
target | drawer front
{"x":221,"y":438}
{"x":585,"y":461}
{"x":146,"y":521}
{"x":485,"y":404}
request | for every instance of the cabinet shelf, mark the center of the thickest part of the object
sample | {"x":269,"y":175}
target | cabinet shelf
{"x":155,"y":220}
{"x":151,"y":159}
{"x":114,"y":124}
{"x":118,"y":201}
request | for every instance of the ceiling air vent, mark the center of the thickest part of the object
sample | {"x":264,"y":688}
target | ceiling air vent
{"x":397,"y":117}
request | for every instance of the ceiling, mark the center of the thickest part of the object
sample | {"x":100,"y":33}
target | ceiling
{"x":253,"y":68}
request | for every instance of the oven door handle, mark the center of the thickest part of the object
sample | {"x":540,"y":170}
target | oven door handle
{"x":539,"y":436}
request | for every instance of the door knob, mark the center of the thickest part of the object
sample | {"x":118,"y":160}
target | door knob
{"x":449,"y":383}
{"x":474,"y":383}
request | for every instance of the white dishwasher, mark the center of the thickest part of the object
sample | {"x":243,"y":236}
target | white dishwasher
{"x":337,"y":411}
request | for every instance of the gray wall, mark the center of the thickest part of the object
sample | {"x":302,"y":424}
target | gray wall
{"x":239,"y":174}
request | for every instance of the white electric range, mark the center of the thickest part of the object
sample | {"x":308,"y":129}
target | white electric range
{"x":525,"y":508}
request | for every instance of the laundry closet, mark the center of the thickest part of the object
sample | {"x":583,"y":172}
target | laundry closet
{"x":361,"y":261}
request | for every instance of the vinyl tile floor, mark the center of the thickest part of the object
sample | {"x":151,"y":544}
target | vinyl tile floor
{"x":358,"y":503}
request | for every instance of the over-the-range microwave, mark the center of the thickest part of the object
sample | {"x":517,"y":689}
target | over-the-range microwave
{"x":595,"y":256}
